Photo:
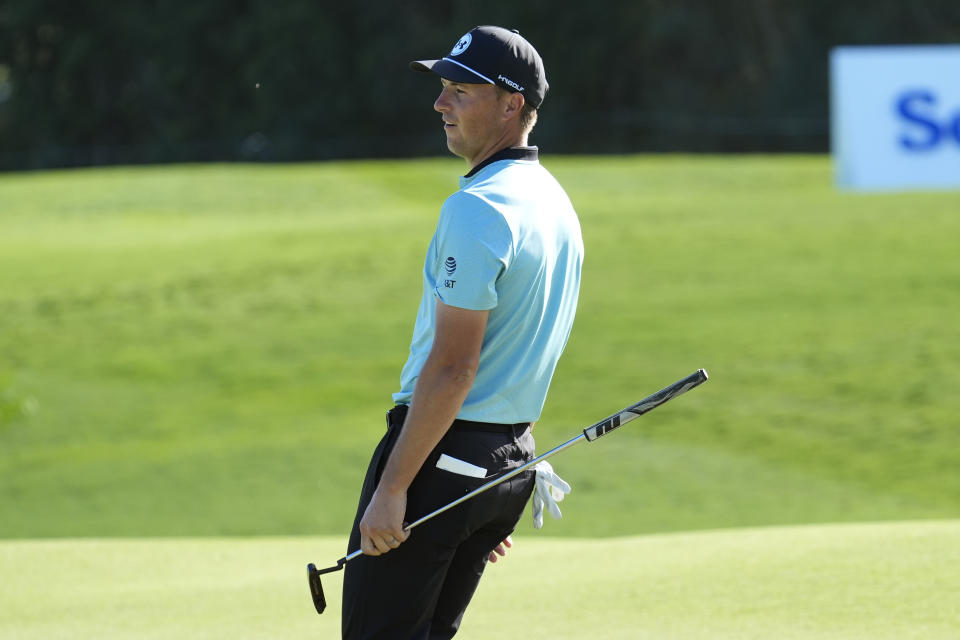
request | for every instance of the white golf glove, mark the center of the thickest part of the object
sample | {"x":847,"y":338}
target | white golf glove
{"x":550,"y":490}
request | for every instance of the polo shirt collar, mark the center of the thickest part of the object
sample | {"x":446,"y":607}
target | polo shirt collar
{"x":510,"y":153}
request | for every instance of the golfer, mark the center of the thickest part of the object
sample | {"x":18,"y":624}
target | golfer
{"x":500,"y":287}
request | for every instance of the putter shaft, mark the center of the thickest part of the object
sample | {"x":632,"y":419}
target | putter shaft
{"x":489,"y":485}
{"x":589,"y":434}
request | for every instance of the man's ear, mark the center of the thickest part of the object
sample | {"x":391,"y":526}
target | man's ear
{"x":513,"y":106}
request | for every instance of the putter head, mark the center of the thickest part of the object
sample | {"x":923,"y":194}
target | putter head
{"x":316,"y":589}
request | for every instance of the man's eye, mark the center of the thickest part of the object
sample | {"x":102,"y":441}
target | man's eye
{"x":460,"y":91}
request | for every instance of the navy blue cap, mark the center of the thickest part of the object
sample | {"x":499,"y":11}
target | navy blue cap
{"x":493,"y":55}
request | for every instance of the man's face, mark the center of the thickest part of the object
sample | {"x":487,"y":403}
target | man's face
{"x":472,"y":119}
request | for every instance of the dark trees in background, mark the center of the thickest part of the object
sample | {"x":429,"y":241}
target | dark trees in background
{"x":101,"y":82}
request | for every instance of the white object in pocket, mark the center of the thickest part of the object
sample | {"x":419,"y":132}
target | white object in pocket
{"x":460,"y":467}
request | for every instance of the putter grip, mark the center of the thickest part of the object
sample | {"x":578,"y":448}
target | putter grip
{"x":649,"y":403}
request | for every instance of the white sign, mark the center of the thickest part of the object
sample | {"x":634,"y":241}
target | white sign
{"x":895,"y":117}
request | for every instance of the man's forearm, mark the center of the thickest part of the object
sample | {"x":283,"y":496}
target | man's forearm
{"x":437,"y":398}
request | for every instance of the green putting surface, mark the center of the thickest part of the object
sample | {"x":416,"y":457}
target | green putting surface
{"x":865,"y":581}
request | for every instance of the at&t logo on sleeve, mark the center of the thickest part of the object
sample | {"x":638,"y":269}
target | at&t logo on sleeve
{"x":450,"y":266}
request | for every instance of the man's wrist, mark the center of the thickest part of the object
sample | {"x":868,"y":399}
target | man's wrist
{"x":391,"y":488}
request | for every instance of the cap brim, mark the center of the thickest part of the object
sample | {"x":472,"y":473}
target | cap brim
{"x":423,"y":66}
{"x":449,"y":70}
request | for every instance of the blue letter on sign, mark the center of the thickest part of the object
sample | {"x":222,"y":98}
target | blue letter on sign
{"x":905,"y":107}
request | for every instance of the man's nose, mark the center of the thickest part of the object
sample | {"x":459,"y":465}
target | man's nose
{"x":441,"y":104}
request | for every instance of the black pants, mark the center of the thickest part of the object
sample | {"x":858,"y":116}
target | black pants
{"x":420,"y":590}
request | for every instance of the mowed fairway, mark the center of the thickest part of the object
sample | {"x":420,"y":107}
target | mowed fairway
{"x":195,"y":362}
{"x":857,"y":582}
{"x":210,"y":349}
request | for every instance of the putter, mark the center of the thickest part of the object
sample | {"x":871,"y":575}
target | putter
{"x":589,"y":434}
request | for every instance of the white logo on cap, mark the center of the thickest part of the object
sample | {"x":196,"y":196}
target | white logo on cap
{"x":462,"y":45}
{"x":509,"y":82}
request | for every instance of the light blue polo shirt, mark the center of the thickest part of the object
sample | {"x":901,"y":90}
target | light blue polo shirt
{"x":508,"y":241}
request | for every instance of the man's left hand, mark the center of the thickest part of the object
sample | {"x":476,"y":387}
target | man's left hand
{"x":501,"y":549}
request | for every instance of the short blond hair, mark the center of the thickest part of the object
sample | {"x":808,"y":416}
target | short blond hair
{"x":528,"y":116}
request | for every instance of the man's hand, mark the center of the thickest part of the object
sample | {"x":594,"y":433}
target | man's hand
{"x":381,"y":528}
{"x":501,"y":549}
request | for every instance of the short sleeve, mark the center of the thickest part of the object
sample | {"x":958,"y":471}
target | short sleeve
{"x":473,"y":246}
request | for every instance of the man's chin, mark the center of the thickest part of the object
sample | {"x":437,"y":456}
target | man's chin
{"x":454,"y":148}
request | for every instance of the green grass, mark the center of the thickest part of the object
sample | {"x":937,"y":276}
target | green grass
{"x":209,"y":350}
{"x":857,"y":582}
